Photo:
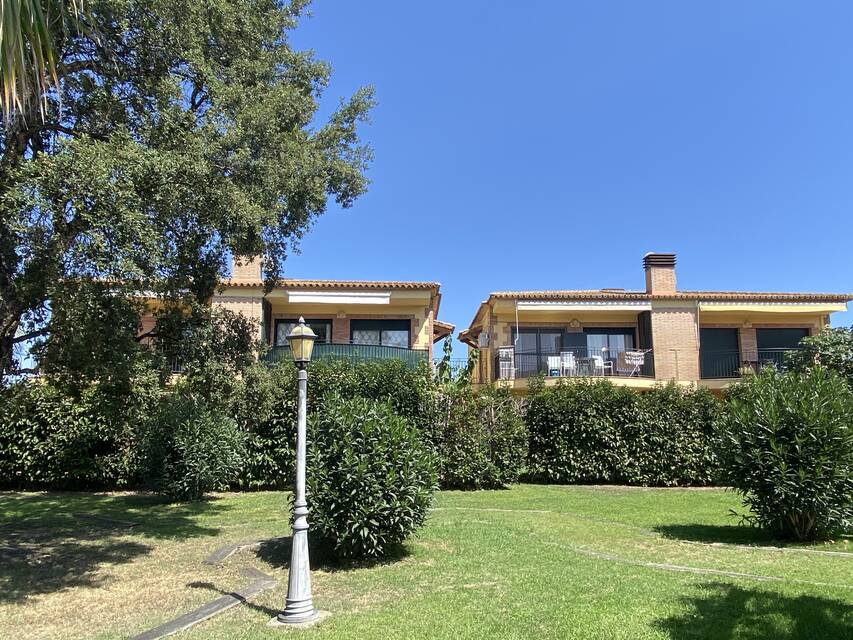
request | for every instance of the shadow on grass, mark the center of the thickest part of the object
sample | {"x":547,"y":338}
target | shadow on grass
{"x":269,"y":612}
{"x":276,"y":553}
{"x":723,"y":611}
{"x":728,"y":534}
{"x":54,"y":541}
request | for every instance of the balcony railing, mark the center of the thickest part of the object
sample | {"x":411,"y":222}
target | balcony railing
{"x":573,"y":363}
{"x":733,"y":364}
{"x":353,"y":353}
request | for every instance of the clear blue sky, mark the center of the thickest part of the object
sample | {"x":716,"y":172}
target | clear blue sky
{"x":548,"y":145}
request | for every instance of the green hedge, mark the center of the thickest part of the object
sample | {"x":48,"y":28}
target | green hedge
{"x":596,"y":432}
{"x":51,"y":438}
{"x":480,"y":437}
{"x":579,"y":431}
{"x":264,"y":407}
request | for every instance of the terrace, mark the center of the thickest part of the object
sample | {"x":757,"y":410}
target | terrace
{"x":354,"y":353}
{"x":510,"y":363}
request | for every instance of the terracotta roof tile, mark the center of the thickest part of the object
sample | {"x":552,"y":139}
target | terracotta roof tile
{"x":336,"y":284}
{"x":589,"y":294}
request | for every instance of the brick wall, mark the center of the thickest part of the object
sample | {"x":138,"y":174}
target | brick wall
{"x":246,"y":269}
{"x":748,"y":343}
{"x":250,"y":307}
{"x":675,"y":342}
{"x":340,"y":331}
{"x":660,"y":280}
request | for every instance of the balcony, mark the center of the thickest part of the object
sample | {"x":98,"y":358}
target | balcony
{"x":353,"y":353}
{"x":715,"y":364}
{"x":574,"y":363}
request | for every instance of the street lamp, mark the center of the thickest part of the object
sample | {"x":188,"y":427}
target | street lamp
{"x":299,"y":604}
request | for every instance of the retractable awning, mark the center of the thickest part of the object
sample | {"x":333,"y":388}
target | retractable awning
{"x":774,"y":307}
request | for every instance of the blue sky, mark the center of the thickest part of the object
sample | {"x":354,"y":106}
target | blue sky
{"x":548,"y":145}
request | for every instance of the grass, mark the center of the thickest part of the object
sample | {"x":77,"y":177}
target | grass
{"x":532,"y":561}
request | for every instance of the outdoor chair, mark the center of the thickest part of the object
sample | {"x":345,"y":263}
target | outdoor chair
{"x":554,"y":365}
{"x":600,"y":367}
{"x":568,"y":364}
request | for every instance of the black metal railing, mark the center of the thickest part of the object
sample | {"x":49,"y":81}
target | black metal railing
{"x":354,"y":353}
{"x":733,"y":364}
{"x":574,"y":362}
{"x":457,"y":365}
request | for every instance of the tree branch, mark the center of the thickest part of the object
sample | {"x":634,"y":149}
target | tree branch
{"x":29,"y":336}
{"x":68,"y":131}
{"x":18,"y":372}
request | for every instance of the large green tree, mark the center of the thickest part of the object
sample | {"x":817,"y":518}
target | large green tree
{"x":176,"y":133}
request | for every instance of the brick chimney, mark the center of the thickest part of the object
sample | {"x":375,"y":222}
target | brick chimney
{"x":660,"y":272}
{"x":246,"y":268}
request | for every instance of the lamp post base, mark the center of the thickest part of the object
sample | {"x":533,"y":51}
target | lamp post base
{"x":293,"y":622}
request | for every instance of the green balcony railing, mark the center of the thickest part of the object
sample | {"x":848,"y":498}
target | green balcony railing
{"x":354,"y":353}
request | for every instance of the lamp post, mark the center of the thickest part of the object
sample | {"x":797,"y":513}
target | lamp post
{"x":299,"y":604}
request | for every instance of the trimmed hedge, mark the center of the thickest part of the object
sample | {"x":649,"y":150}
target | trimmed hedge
{"x":480,"y":437}
{"x":596,"y":432}
{"x":51,"y":438}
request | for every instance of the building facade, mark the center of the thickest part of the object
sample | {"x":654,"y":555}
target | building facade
{"x":642,"y":337}
{"x":358,"y":320}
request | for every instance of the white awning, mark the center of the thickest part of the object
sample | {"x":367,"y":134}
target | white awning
{"x":774,"y":307}
{"x":339,"y":297}
{"x":584,"y":305}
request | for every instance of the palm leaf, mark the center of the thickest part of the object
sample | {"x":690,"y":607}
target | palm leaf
{"x":28,"y":56}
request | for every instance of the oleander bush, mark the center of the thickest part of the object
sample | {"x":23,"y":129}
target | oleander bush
{"x":371,"y":477}
{"x":831,"y":348}
{"x":190,"y":448}
{"x":786,"y":445}
{"x":264,"y":407}
{"x":592,"y":431}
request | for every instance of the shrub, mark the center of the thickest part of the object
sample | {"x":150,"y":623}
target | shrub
{"x":787,"y":447}
{"x":190,"y":448}
{"x":670,"y":441}
{"x":575,"y":430}
{"x":480,"y":438}
{"x":370,"y":477}
{"x":831,"y":348}
{"x":264,"y":407}
{"x":51,"y":438}
{"x":593,"y":431}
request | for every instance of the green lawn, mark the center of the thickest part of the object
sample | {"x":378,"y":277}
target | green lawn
{"x":532,"y":561}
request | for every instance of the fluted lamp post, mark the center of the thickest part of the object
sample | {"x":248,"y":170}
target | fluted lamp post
{"x":299,"y":605}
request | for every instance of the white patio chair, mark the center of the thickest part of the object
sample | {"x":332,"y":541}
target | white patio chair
{"x":506,"y":363}
{"x":554,"y":364}
{"x":568,"y":364}
{"x":599,"y":366}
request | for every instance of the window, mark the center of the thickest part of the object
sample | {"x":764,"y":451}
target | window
{"x":533,"y":345}
{"x":779,"y":338}
{"x":719,"y":353}
{"x":611,"y":340}
{"x":323,"y":329}
{"x":387,"y":333}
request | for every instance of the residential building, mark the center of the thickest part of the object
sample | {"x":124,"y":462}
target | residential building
{"x":642,"y":337}
{"x":353,"y":319}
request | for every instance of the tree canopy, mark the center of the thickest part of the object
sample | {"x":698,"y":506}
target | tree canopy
{"x":179,"y":133}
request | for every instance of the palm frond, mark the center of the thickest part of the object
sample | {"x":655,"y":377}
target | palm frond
{"x":28,"y":56}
